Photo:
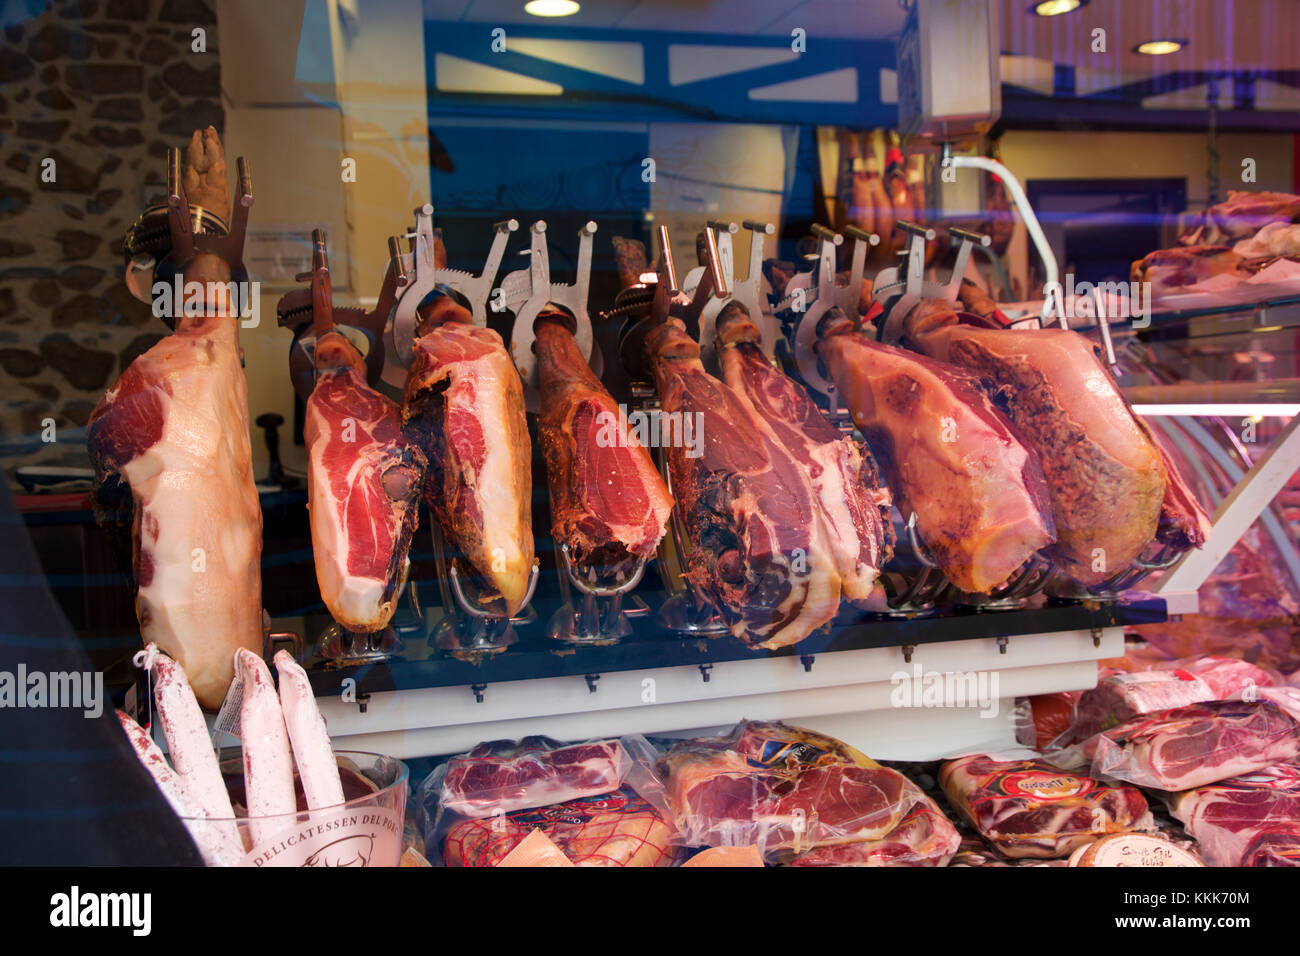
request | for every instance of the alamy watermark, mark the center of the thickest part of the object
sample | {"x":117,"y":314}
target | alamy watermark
{"x":77,"y":690}
{"x":177,"y":298}
{"x":1113,"y":300}
{"x":653,"y":429}
{"x":975,"y":689}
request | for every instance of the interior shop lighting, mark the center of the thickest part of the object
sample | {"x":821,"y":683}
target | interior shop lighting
{"x":1159,"y":47}
{"x":1054,"y":8}
{"x":551,"y":8}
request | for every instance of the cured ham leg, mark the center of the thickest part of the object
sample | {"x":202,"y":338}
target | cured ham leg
{"x":848,"y":492}
{"x":171,"y":437}
{"x":363,"y":485}
{"x":758,"y":546}
{"x":950,"y":457}
{"x":464,"y":405}
{"x":608,"y":501}
{"x":1104,"y":473}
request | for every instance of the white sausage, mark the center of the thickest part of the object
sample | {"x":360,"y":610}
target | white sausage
{"x":216,"y":850}
{"x":188,"y":741}
{"x":268,"y":766}
{"x":311,"y":742}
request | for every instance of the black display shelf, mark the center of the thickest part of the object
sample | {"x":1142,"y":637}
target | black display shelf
{"x":535,"y":656}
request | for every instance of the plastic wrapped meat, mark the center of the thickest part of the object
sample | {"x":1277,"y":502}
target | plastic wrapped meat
{"x":1121,"y":697}
{"x":924,"y":837}
{"x":502,"y":776}
{"x":1249,"y":820}
{"x":783,"y":789}
{"x":1196,"y":745}
{"x":616,"y":829}
{"x":1029,"y":808}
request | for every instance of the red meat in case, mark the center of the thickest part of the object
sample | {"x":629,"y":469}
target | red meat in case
{"x":501,"y":776}
{"x":924,"y":837}
{"x":616,"y":829}
{"x":1029,"y":808}
{"x":1249,"y":820}
{"x":783,"y":789}
{"x":1195,"y":745}
{"x":1121,"y":697}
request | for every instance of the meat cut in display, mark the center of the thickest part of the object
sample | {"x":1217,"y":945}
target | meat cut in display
{"x":759,"y":550}
{"x":464,"y":406}
{"x":363,"y":484}
{"x":1030,"y":808}
{"x":788,"y":790}
{"x":949,"y":456}
{"x":1119,"y":698}
{"x":502,"y":776}
{"x":609,"y":503}
{"x":1248,"y":820}
{"x":924,"y":837}
{"x":1105,"y":475}
{"x":848,"y":493}
{"x":1197,"y":744}
{"x":615,"y":829}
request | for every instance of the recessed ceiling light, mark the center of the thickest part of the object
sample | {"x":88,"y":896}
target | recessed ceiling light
{"x":551,"y":8}
{"x":1054,"y":8}
{"x":1159,"y":47}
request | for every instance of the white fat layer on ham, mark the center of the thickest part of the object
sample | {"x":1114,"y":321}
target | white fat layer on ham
{"x":317,"y":767}
{"x":356,"y":601}
{"x":268,"y":765}
{"x":217,"y":842}
{"x":197,"y":511}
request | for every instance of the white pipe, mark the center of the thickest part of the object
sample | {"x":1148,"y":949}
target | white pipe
{"x":1022,"y":205}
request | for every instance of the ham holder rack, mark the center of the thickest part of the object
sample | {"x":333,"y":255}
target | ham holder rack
{"x":613,"y":629}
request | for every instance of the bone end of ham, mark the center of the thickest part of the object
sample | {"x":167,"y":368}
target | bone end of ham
{"x":268,"y":765}
{"x":759,"y":551}
{"x":952,"y":459}
{"x":363,"y":484}
{"x":465,"y":403}
{"x":608,"y":500}
{"x":317,"y":768}
{"x":174,"y":427}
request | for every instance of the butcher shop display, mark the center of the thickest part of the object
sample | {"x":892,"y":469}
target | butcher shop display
{"x":363,"y":480}
{"x":1248,"y":820}
{"x":464,"y":406}
{"x":949,"y":456}
{"x":173,"y":464}
{"x":1241,"y":216}
{"x":1025,"y":807}
{"x":608,"y":501}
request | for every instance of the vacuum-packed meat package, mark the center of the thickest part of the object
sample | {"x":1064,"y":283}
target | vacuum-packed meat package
{"x":924,"y":837}
{"x":615,"y":829}
{"x":1248,"y":820}
{"x":1196,"y":745}
{"x":1029,"y":808}
{"x":783,"y":789}
{"x":1121,"y":697}
{"x":501,"y":776}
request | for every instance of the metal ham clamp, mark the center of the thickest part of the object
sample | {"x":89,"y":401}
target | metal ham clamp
{"x":536,"y":290}
{"x":811,"y":304}
{"x":418,"y":275}
{"x":715,"y":283}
